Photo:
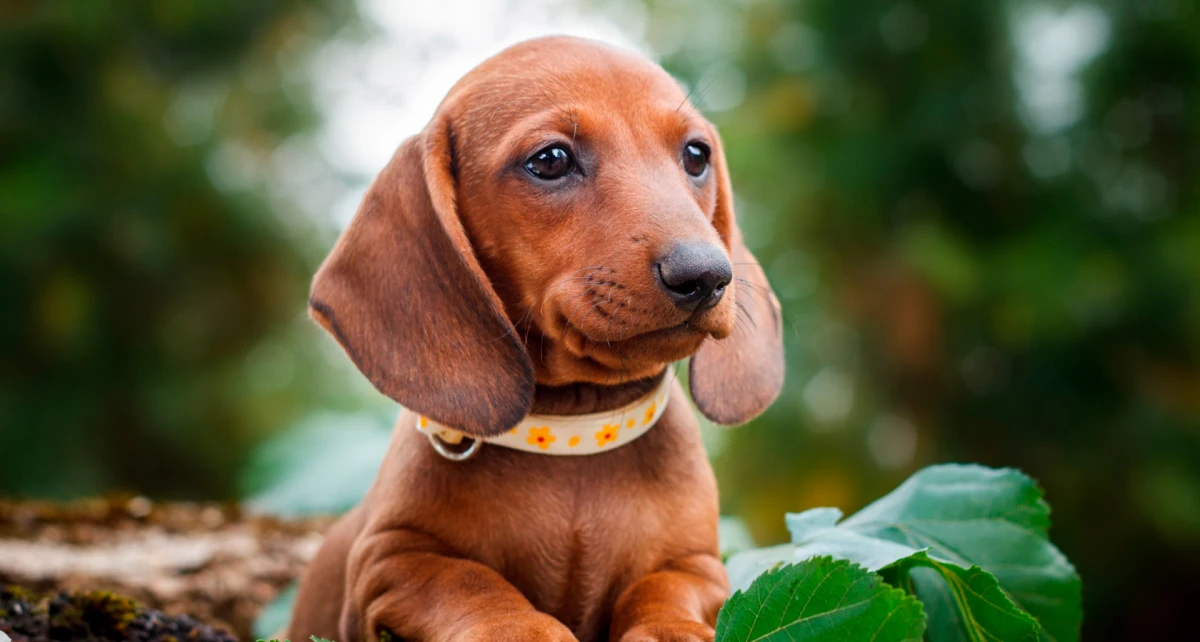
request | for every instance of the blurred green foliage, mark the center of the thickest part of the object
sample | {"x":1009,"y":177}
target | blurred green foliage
{"x":983,"y":219}
{"x":152,"y":291}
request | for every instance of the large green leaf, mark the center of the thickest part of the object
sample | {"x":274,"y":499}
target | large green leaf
{"x":972,"y":604}
{"x":949,"y":519}
{"x":820,"y":600}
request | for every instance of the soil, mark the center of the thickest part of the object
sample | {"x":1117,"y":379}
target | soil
{"x":199,"y":571}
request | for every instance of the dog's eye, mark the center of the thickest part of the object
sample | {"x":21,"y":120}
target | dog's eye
{"x":695,"y":158}
{"x":550,"y":163}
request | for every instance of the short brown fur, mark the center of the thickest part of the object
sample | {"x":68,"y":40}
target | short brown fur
{"x":472,"y":293}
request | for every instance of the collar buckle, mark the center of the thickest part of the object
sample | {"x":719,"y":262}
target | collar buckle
{"x":440,"y":447}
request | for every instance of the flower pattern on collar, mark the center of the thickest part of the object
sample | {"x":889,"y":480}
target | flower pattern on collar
{"x":571,"y":434}
{"x":541,"y":437}
{"x":607,"y":434}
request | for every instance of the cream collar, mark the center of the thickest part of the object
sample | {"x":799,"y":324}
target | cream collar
{"x":563,"y":434}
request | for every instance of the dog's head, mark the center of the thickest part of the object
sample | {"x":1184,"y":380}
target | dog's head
{"x":565,"y":217}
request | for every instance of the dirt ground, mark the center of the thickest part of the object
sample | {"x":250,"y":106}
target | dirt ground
{"x":212,"y":562}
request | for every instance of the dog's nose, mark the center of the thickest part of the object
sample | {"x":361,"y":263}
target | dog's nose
{"x":694,"y":275}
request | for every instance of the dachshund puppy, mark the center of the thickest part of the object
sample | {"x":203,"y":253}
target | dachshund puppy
{"x":520,"y":277}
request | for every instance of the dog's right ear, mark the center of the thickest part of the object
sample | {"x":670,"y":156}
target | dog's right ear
{"x":404,"y":294}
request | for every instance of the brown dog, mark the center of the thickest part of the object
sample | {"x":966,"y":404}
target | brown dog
{"x":559,"y":233}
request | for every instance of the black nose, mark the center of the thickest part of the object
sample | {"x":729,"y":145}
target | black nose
{"x":694,"y":275}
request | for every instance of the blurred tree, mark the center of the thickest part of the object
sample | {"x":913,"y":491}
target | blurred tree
{"x":149,"y":285}
{"x":982,"y":220}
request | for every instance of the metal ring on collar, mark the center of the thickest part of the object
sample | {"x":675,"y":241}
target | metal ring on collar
{"x":440,"y":447}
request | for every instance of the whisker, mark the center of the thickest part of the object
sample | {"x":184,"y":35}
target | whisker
{"x":572,"y":299}
{"x":595,"y":305}
{"x":562,"y":282}
{"x":699,"y":96}
{"x":509,"y":331}
{"x":755,"y":286}
{"x":749,"y":317}
{"x":761,"y":292}
{"x":791,"y":319}
{"x":607,"y":330}
{"x":765,"y":293}
{"x":625,"y":328}
{"x":555,"y":288}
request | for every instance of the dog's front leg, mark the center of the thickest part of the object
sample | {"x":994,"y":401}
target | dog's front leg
{"x":678,"y":603}
{"x":427,"y":596}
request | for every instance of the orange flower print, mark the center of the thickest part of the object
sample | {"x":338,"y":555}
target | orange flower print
{"x":540,"y":437}
{"x":574,"y":441}
{"x":607,"y":434}
{"x":630,"y":424}
{"x":650,"y":413}
{"x":424,"y":422}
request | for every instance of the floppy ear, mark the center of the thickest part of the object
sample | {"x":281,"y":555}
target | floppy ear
{"x":405,"y":296}
{"x":734,"y":379}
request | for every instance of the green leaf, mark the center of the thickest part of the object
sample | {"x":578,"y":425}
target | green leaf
{"x":948,"y":519}
{"x":817,"y":600}
{"x":801,"y":525}
{"x":979,"y":609}
{"x":311,"y":637}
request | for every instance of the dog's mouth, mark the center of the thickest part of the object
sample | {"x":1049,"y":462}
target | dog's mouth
{"x":624,"y":325}
{"x":682,"y":330}
{"x":656,"y":345}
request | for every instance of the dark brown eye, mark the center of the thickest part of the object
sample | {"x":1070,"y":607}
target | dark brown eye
{"x":550,"y":163}
{"x":695,"y":158}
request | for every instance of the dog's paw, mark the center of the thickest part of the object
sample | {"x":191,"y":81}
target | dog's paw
{"x":525,"y":627}
{"x":675,"y":631}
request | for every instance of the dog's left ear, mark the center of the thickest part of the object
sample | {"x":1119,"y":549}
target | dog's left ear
{"x":734,"y":379}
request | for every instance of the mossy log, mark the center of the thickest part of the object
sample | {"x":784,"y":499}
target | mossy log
{"x":211,"y":562}
{"x":99,"y":616}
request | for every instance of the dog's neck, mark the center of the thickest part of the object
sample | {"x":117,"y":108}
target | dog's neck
{"x":585,"y":398}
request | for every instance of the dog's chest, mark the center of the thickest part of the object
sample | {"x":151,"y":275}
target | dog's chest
{"x":570,"y":533}
{"x":573,"y":543}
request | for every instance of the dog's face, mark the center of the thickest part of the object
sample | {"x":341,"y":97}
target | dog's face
{"x":588,"y":188}
{"x":565,"y":217}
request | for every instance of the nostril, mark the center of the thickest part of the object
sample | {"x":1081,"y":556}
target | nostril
{"x":714,"y":280}
{"x":682,"y":288}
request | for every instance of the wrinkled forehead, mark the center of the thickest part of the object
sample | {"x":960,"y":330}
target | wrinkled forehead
{"x":577,"y":81}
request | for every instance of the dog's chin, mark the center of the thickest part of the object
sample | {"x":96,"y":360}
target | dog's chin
{"x":663,"y":345}
{"x":647,"y":350}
